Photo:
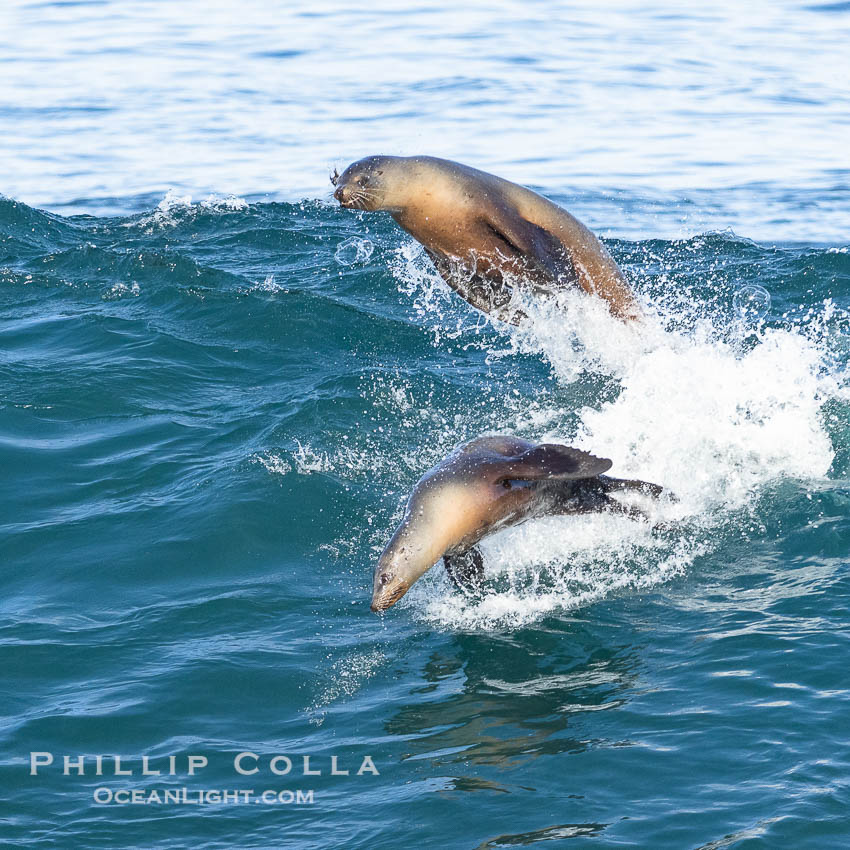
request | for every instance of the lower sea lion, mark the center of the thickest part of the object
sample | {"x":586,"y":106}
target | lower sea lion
{"x":487,"y":484}
{"x":484,"y":234}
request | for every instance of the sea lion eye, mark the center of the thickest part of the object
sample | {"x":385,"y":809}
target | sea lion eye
{"x":506,"y":483}
{"x":384,"y":579}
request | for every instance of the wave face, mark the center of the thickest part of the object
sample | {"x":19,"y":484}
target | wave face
{"x":211,"y":415}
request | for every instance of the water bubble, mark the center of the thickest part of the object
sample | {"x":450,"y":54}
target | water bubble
{"x":353,"y":250}
{"x":751,"y":302}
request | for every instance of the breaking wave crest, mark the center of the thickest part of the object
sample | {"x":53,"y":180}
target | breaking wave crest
{"x":713,"y":405}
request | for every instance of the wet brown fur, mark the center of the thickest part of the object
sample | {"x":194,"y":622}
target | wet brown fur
{"x":486,"y":235}
{"x":485,"y":485}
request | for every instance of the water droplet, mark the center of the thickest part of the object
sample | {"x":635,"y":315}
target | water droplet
{"x":353,"y":250}
{"x":751,"y":302}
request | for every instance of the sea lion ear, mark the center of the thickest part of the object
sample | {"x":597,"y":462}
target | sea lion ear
{"x":551,"y":460}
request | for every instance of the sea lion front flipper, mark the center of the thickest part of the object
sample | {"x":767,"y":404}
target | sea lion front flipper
{"x":466,"y":570}
{"x":543,"y":254}
{"x":552,"y":460}
{"x":505,"y":445}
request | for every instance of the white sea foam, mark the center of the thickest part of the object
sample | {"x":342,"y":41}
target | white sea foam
{"x":121,"y":290}
{"x":176,"y":207}
{"x":714,"y":414}
{"x":268,"y":284}
{"x":229,"y":203}
{"x":273,"y":462}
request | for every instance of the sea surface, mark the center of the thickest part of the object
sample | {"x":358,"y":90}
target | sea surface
{"x":217,"y":389}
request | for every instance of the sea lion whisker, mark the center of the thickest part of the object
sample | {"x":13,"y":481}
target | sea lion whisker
{"x":367,"y":194}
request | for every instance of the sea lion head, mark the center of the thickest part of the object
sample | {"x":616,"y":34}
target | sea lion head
{"x":370,"y":184}
{"x":447,"y":506}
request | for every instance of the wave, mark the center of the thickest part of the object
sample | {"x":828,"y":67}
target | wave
{"x":713,"y":401}
{"x":337,"y":327}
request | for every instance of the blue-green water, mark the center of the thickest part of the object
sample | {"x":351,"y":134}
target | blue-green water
{"x":211,"y":414}
{"x":208,"y":429}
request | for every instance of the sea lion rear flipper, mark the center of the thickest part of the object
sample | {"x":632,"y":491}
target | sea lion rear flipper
{"x":645,"y":488}
{"x":612,"y":485}
{"x":552,"y":460}
{"x":466,"y":570}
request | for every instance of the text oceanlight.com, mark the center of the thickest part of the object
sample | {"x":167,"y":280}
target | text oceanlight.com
{"x":201,"y":796}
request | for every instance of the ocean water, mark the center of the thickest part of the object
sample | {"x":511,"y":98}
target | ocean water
{"x":218,"y":388}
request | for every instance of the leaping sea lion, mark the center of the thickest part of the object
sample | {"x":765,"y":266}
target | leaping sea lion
{"x":484,"y":234}
{"x":485,"y":485}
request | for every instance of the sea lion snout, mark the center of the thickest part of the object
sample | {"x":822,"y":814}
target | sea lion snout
{"x":387,"y":590}
{"x":349,"y":195}
{"x":401,"y":563}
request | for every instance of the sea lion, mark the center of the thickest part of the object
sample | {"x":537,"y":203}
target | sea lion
{"x":485,"y":485}
{"x":484,"y":234}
